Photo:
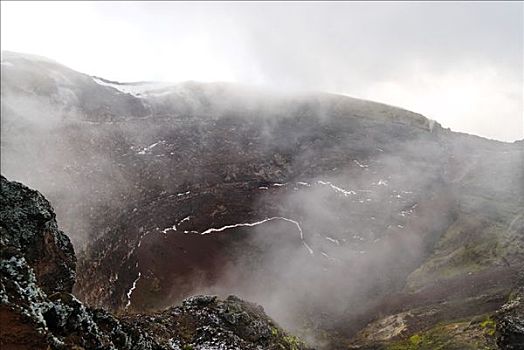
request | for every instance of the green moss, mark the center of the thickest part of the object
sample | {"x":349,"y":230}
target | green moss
{"x":292,"y":342}
{"x":471,"y":244}
{"x":274,"y":331}
{"x":489,"y":326}
{"x":450,"y":336}
{"x":415,"y":339}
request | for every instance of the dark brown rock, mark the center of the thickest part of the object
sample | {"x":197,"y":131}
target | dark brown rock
{"x":510,"y":322}
{"x":37,"y":310}
{"x":28,"y":226}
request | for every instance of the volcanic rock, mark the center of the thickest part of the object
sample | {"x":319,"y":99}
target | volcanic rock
{"x":38,"y":311}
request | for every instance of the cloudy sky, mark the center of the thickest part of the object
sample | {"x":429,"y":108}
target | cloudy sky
{"x":459,"y":63}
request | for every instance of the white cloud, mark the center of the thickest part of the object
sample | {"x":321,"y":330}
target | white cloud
{"x":459,"y":63}
{"x":480,"y":100}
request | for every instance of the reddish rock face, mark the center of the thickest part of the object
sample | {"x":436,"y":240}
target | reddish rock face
{"x":37,"y":310}
{"x":19,"y":332}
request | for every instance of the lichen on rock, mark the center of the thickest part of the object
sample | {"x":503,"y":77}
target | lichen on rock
{"x":28,"y":226}
{"x":510,"y":322}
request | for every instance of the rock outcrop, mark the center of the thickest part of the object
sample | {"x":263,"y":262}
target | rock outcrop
{"x":38,"y":311}
{"x":29,"y":230}
{"x":510,"y":322}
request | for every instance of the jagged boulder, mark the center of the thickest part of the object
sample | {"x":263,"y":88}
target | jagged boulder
{"x":28,"y":229}
{"x":207,"y":322}
{"x":510,"y":322}
{"x":37,"y":310}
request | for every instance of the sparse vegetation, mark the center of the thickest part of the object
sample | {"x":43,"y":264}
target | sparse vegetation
{"x":292,"y":342}
{"x":463,"y":335}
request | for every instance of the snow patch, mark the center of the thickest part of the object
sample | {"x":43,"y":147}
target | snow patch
{"x":360,"y":164}
{"x":309,"y":249}
{"x":408,"y":211}
{"x":132,"y":289}
{"x":172,"y":228}
{"x":336,"y":188}
{"x":333,"y":240}
{"x":326,"y":255}
{"x":134,"y":89}
{"x":148,"y":149}
{"x":184,"y":219}
{"x":251,"y":224}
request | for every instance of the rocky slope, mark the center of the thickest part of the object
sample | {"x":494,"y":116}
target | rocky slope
{"x":342,"y":217}
{"x":38,"y":311}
